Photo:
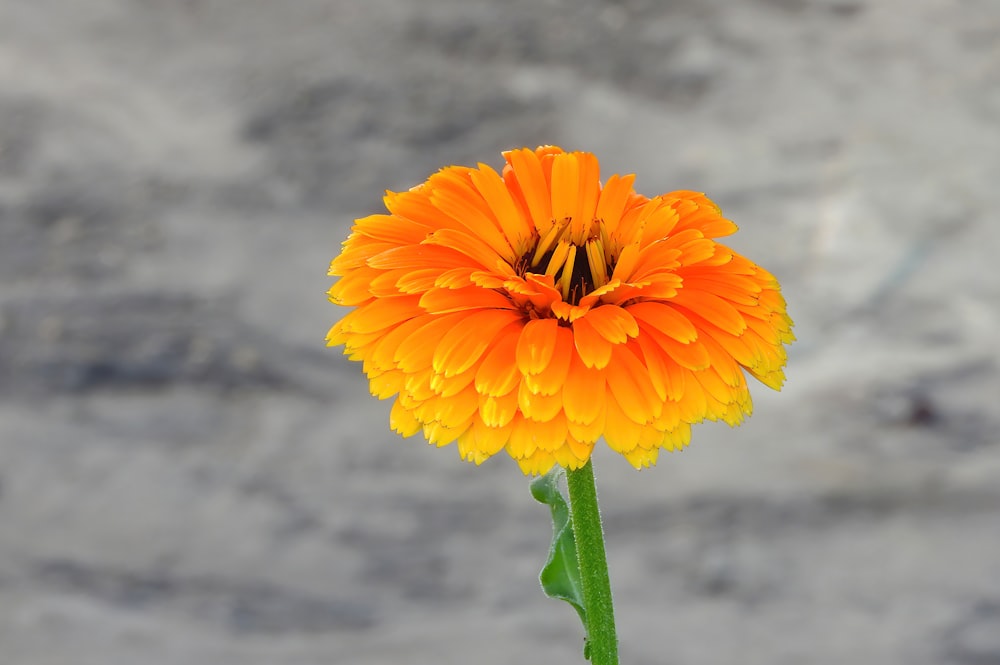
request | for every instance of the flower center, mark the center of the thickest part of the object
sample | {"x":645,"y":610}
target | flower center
{"x":575,"y":258}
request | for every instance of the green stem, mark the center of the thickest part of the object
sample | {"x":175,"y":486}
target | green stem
{"x":602,"y":639}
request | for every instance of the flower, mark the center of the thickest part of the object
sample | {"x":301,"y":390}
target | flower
{"x":537,"y":310}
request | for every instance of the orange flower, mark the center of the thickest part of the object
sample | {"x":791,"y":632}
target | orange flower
{"x":537,"y":311}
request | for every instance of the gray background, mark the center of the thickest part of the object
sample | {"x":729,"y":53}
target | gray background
{"x":187,"y":476}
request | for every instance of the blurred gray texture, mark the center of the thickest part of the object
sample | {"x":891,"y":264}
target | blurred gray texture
{"x":187,"y":476}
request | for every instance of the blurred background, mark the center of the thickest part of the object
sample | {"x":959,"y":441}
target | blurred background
{"x":187,"y":476}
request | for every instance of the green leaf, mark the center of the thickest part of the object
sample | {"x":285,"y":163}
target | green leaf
{"x":560,"y":577}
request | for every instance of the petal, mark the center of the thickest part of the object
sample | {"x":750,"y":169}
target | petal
{"x":590,"y":188}
{"x":383,"y":355}
{"x":387,"y":384}
{"x":565,"y":187}
{"x":521,"y":444}
{"x":353,"y":289}
{"x":527,"y":171}
{"x":423,"y":255}
{"x":654,"y":259}
{"x":457,"y":410}
{"x":613,"y":197}
{"x":442,"y":301}
{"x":655,"y":361}
{"x":613,"y":323}
{"x":734,"y":288}
{"x":550,"y":380}
{"x":417,"y":352}
{"x":691,"y":355}
{"x":550,"y":435}
{"x":463,"y":203}
{"x":540,"y":408}
{"x":463,"y":345}
{"x":447,"y":386}
{"x":593,"y":348}
{"x":584,"y":392}
{"x":677,"y":439}
{"x":628,"y":382}
{"x":536,"y":345}
{"x":580,"y":449}
{"x":491,"y":186}
{"x":498,"y":373}
{"x":711,"y":307}
{"x":392,"y":229}
{"x":441,"y":435}
{"x":402,"y":421}
{"x":490,"y":440}
{"x":621,"y":432}
{"x":640,"y":457}
{"x":381,"y":314}
{"x":499,"y":410}
{"x":665,"y":319}
{"x":478,"y":250}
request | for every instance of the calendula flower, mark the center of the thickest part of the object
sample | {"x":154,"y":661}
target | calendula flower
{"x":537,"y":310}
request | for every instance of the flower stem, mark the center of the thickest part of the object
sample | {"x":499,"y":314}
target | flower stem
{"x":601,"y":636}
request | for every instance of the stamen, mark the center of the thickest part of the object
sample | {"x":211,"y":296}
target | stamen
{"x":606,"y":244}
{"x":558,"y":258}
{"x":556,"y":255}
{"x":548,"y":240}
{"x":567,"y":274}
{"x":598,"y":268}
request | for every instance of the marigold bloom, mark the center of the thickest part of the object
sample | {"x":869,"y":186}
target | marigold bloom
{"x":538,"y":310}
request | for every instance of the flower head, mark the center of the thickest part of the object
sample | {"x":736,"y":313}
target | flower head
{"x":537,"y":310}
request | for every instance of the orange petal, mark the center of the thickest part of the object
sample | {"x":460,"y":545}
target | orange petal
{"x":441,"y":435}
{"x":463,"y":345}
{"x":442,"y":301}
{"x":580,"y":449}
{"x":565,"y":187}
{"x":629,"y":382}
{"x":464,"y":204}
{"x":593,"y":348}
{"x":589,"y":191}
{"x":536,"y":345}
{"x":621,"y":432}
{"x":418,"y":351}
{"x":492,"y":188}
{"x":402,"y":421}
{"x":584,"y":392}
{"x":446,"y":386}
{"x":381,"y":314}
{"x":550,"y":435}
{"x":498,"y":410}
{"x":521,"y":444}
{"x":713,"y":308}
{"x":456,"y":411}
{"x":475,"y":248}
{"x":640,"y":457}
{"x":692,"y":355}
{"x":353,"y":289}
{"x":613,"y":323}
{"x":550,"y":380}
{"x":733,"y":288}
{"x":665,"y":319}
{"x":392,"y":229}
{"x":498,"y":373}
{"x":527,"y":169}
{"x":613,"y":197}
{"x":538,"y":407}
{"x":490,"y":440}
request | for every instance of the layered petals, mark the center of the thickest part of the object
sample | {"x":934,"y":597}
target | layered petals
{"x":536,"y":311}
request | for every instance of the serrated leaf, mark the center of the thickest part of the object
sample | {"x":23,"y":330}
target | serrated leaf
{"x":560,"y":577}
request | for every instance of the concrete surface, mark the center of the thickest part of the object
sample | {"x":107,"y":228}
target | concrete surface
{"x":187,"y":476}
